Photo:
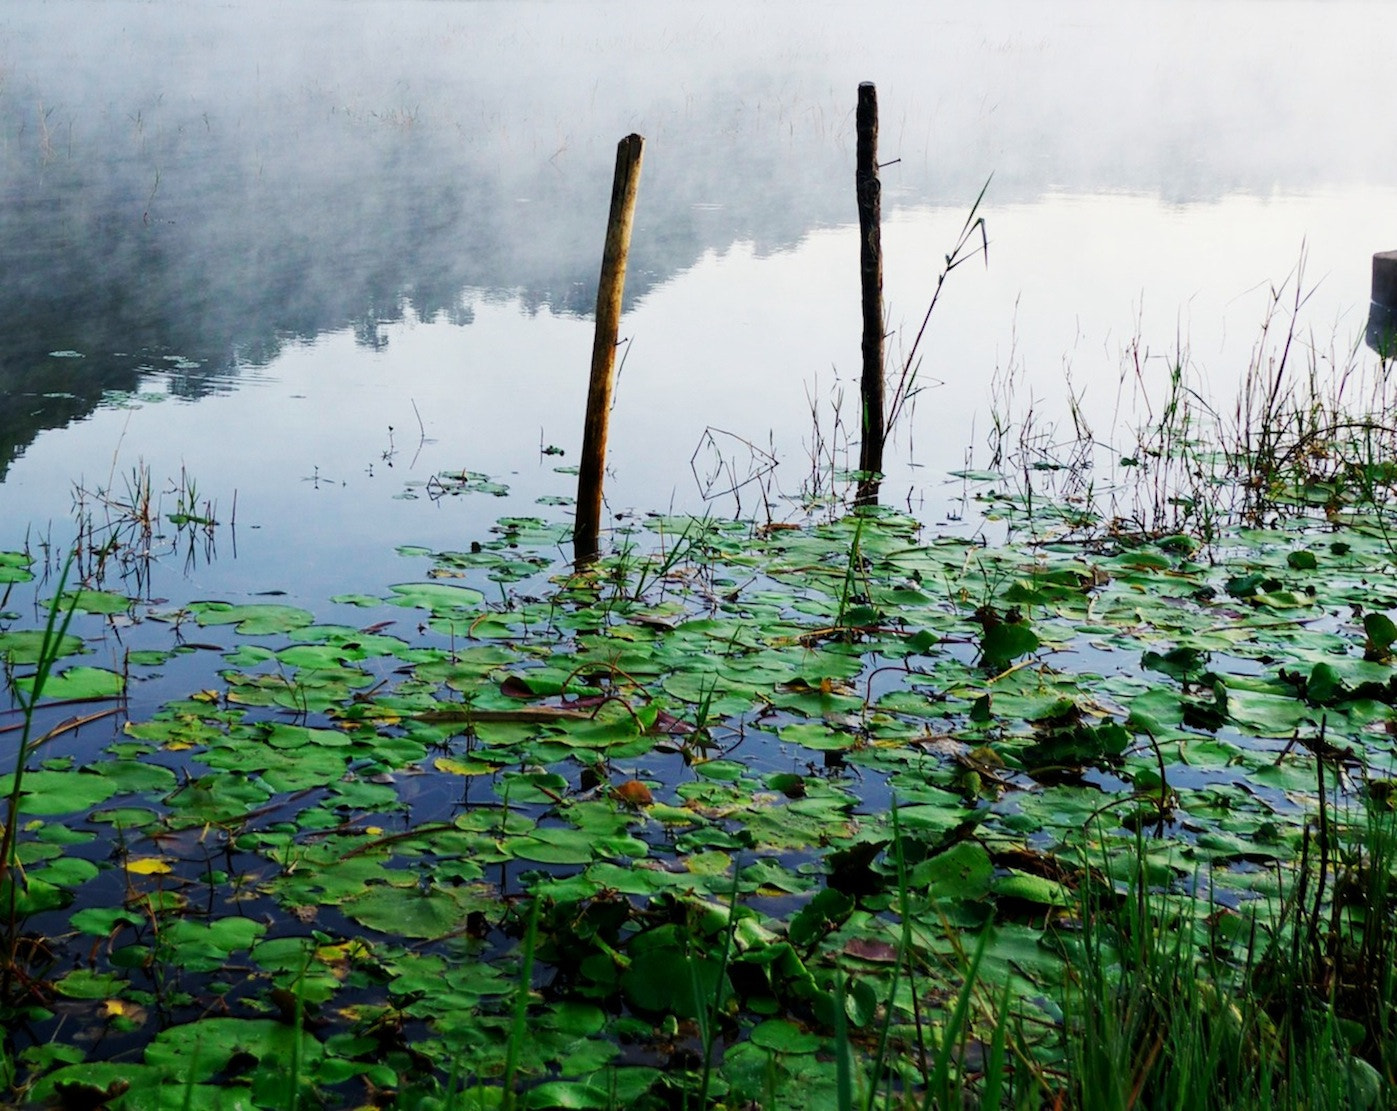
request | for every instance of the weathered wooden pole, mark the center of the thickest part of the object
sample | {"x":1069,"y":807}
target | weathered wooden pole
{"x":869,"y":191}
{"x":1382,"y":316}
{"x":592,"y":466}
{"x":1385,"y":279}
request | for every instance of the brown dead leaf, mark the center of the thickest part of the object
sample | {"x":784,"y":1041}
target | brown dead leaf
{"x":633,"y":793}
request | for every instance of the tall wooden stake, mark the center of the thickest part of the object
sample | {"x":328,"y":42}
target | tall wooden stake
{"x":1385,"y":279}
{"x":592,"y":466}
{"x":869,"y":191}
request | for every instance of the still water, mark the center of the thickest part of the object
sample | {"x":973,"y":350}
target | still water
{"x":312,"y":255}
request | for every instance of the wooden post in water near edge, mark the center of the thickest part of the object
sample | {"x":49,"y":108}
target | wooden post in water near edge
{"x":869,"y":190}
{"x":1382,"y":313}
{"x":592,"y":467}
{"x":1385,"y":279}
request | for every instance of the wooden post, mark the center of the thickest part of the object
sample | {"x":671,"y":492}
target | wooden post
{"x":869,"y":191}
{"x":1385,"y":279}
{"x":1382,"y":313}
{"x":592,"y":466}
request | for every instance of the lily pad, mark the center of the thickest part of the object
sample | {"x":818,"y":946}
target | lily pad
{"x":79,"y":684}
{"x":14,"y":567}
{"x":96,"y":601}
{"x":440,"y":598}
{"x":59,"y":792}
{"x":22,"y":646}
{"x":257,"y":619}
{"x":407,"y":911}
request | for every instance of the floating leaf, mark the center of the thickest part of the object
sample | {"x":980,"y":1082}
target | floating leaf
{"x":552,"y":846}
{"x":79,"y":684}
{"x":963,"y":871}
{"x":1381,"y":633}
{"x":818,"y":736}
{"x":565,"y":1095}
{"x":781,"y":1036}
{"x":96,"y":601}
{"x":59,"y":792}
{"x":406,"y":911}
{"x":669,"y":981}
{"x":1185,"y":664}
{"x":14,"y":567}
{"x":633,"y":793}
{"x":148,"y":866}
{"x":1006,"y":642}
{"x":198,"y":1051}
{"x":441,"y":598}
{"x":1033,"y":889}
{"x":22,"y":646}
{"x":259,"y":619}
{"x":84,"y":984}
{"x":452,"y":766}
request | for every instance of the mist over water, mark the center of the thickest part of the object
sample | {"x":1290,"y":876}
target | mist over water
{"x":194,"y":192}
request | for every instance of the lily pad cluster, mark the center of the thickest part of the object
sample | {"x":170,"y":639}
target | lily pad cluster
{"x":740,"y":814}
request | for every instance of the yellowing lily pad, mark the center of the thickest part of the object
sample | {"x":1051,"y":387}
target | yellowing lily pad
{"x":149,"y":866}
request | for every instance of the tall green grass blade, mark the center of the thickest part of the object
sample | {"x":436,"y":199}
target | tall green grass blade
{"x":708,"y":1016}
{"x":55,"y":629}
{"x":518,"y":1027}
{"x":996,"y":1059}
{"x":844,"y":1054}
{"x":954,"y":1034}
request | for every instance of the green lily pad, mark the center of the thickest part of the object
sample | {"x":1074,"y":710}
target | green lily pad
{"x":14,"y":567}
{"x":22,"y":646}
{"x":59,"y":792}
{"x":79,"y":684}
{"x":407,"y":911}
{"x":96,"y":601}
{"x":201,"y":947}
{"x":552,"y":846}
{"x":440,"y":598}
{"x":259,"y":619}
{"x":963,"y":871}
{"x":82,"y":983}
{"x":1033,"y":889}
{"x":1006,"y":642}
{"x":669,"y":981}
{"x":198,"y":1051}
{"x":781,"y":1036}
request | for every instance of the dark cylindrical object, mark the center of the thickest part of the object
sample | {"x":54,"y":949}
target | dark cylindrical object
{"x":592,"y":466}
{"x":869,"y":190}
{"x":1385,"y":279}
{"x":1382,"y":314}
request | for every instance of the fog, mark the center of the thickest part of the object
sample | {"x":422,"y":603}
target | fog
{"x":207,"y":180}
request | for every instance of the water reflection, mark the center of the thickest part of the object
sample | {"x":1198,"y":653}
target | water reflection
{"x":189,"y":188}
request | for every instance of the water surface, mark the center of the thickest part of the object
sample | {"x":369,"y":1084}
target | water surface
{"x":315,"y":254}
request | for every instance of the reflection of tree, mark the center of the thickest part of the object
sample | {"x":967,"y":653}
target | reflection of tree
{"x":218,"y":244}
{"x":213,"y":180}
